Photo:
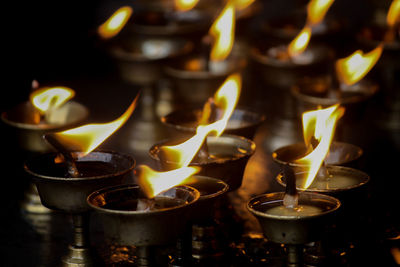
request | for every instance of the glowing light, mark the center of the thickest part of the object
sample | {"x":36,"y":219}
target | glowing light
{"x":115,"y":23}
{"x":226,"y":99}
{"x":299,"y":44}
{"x":316,"y":10}
{"x":185,"y":5}
{"x":393,"y":16}
{"x":152,"y":182}
{"x":319,"y":124}
{"x":354,"y":67}
{"x":223,"y":31}
{"x":46,"y":99}
{"x":87,"y":137}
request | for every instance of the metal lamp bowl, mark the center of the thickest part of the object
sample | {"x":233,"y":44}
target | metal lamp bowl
{"x":196,"y":86}
{"x":229,"y":170}
{"x":211,"y":190}
{"x":160,"y":23}
{"x":142,"y":228}
{"x":69,"y":194}
{"x":339,"y":154}
{"x":359,"y":179}
{"x":29,"y":136}
{"x":140,"y":60}
{"x":312,"y":93}
{"x":283,"y":74}
{"x":288,"y":27}
{"x":293,"y":230}
{"x":184,"y":122}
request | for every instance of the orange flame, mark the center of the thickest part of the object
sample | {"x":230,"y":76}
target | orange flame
{"x":88,"y":137}
{"x":223,"y":30}
{"x":46,"y":99}
{"x":299,"y":44}
{"x":319,"y":124}
{"x":114,"y":24}
{"x":226,"y":99}
{"x":316,"y":10}
{"x":242,"y":4}
{"x":393,"y":16}
{"x":152,"y":182}
{"x":354,"y":67}
{"x":185,"y":5}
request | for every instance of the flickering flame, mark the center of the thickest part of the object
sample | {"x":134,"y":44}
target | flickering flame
{"x":299,"y":44}
{"x":185,"y":5}
{"x":88,"y":137}
{"x":152,"y":182}
{"x":226,"y":99}
{"x":114,"y":24}
{"x":393,"y":16}
{"x":47,"y":99}
{"x":316,"y":10}
{"x":319,"y":124}
{"x":354,"y":67}
{"x":223,"y":30}
{"x":242,"y":4}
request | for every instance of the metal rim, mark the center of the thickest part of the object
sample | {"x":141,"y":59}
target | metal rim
{"x":46,"y":127}
{"x":153,"y":152}
{"x":193,"y":191}
{"x":278,"y":196}
{"x":80,"y":179}
{"x":365,"y":180}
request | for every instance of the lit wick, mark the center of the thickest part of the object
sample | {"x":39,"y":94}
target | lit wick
{"x":393,"y":22}
{"x":206,"y":44}
{"x":291,"y":198}
{"x":72,"y":170}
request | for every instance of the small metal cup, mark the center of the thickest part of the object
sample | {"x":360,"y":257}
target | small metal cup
{"x":142,"y":228}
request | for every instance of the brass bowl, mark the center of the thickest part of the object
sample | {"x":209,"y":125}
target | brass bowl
{"x":356,"y":179}
{"x":339,"y":154}
{"x":128,"y":226}
{"x":193,"y":83}
{"x":29,"y":136}
{"x":235,"y":150}
{"x":141,"y":60}
{"x":211,"y":190}
{"x":69,"y":194}
{"x":184,"y":122}
{"x":293,"y":230}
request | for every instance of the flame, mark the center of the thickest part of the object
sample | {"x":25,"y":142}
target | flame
{"x":242,"y":4}
{"x":319,"y":124}
{"x":114,"y":24}
{"x":152,"y":182}
{"x":316,"y":10}
{"x":87,"y":137}
{"x":299,"y":44}
{"x":46,"y":99}
{"x":393,"y":15}
{"x":223,"y":30}
{"x":226,"y":99}
{"x":185,"y":5}
{"x":354,"y":67}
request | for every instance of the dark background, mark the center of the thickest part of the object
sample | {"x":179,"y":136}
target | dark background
{"x":55,"y":43}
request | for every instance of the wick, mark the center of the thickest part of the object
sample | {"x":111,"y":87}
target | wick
{"x":206,"y":50}
{"x":202,"y":155}
{"x":68,"y":158}
{"x":291,"y":198}
{"x":209,"y":113}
